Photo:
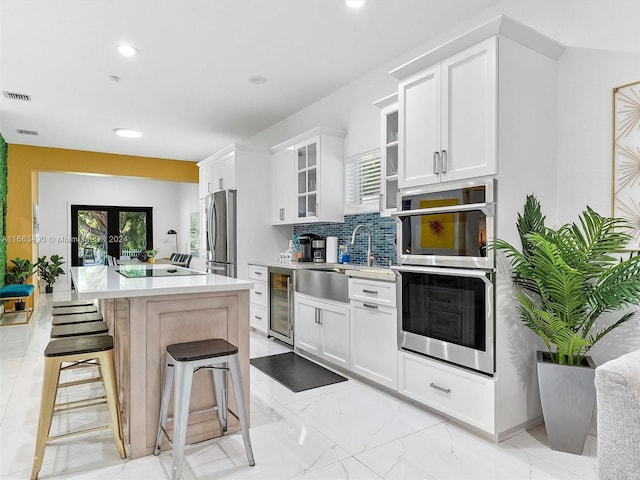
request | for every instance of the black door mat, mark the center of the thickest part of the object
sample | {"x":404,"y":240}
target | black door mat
{"x":296,"y":372}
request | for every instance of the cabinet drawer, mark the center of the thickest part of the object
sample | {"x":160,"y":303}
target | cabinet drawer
{"x":257,"y":272}
{"x":460,"y":394}
{"x":259,"y":294}
{"x":372,"y":291}
{"x":258,"y":317}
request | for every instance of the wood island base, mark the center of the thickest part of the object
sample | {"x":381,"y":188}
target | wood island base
{"x":142,"y":328}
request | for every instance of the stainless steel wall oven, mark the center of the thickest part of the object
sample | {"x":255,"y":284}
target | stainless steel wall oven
{"x":446,"y":277}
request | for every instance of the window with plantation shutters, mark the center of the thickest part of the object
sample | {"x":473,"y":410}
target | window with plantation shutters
{"x":363,"y":183}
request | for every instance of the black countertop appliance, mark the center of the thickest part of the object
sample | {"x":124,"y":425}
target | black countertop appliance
{"x":306,"y":248}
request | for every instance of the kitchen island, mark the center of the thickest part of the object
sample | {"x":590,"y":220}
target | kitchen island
{"x":148,"y":307}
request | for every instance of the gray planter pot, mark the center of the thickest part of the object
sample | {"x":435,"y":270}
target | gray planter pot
{"x":568,"y":395}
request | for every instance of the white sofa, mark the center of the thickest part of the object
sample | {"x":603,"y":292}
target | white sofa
{"x":618,"y":406}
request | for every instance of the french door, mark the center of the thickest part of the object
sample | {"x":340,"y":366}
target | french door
{"x":109,"y":231}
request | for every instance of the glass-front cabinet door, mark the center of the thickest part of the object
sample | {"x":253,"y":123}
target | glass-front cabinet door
{"x":307,"y":182}
{"x":389,"y":150}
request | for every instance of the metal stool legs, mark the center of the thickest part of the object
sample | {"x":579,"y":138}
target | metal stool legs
{"x":182,"y":372}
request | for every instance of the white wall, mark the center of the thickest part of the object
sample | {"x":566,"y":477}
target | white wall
{"x":57,"y":191}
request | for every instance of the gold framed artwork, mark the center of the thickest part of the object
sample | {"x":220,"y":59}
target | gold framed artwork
{"x":625,"y":202}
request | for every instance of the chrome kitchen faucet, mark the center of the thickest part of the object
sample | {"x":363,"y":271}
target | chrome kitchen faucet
{"x":370,"y":257}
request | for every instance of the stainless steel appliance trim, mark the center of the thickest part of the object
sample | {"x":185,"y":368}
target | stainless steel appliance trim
{"x":323,"y":284}
{"x":489,"y":184}
{"x":487,"y":208}
{"x":451,"y":352}
{"x":291,"y":281}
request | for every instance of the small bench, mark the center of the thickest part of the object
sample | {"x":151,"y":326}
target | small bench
{"x":17,"y":293}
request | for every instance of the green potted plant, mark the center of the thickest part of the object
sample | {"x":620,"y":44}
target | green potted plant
{"x":151,"y":254}
{"x":50,"y":270}
{"x":567,"y":278}
{"x":18,"y":273}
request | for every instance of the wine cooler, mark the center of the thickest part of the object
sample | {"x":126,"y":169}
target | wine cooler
{"x":281,"y":304}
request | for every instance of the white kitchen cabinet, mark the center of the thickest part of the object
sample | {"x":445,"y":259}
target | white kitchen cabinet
{"x":283,"y":194}
{"x":389,"y":153}
{"x":322,"y":328}
{"x":217,"y":173}
{"x":447,"y":119}
{"x":259,"y":299}
{"x":374,"y":330}
{"x":463,"y":395}
{"x":318,"y":183}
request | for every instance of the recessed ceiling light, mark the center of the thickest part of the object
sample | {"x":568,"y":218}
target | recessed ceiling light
{"x":127,"y":50}
{"x":354,"y":3}
{"x":127,"y":132}
{"x":257,"y":79}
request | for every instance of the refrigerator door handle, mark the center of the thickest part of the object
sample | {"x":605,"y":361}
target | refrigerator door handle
{"x":210,"y":226}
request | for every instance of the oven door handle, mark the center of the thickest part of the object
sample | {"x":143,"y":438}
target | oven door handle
{"x":485,"y":275}
{"x":488,"y":208}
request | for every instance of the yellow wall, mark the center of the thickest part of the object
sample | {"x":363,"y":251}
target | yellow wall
{"x":24,"y":163}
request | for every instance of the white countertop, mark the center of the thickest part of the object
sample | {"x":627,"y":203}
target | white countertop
{"x":105,"y":282}
{"x":350,"y":269}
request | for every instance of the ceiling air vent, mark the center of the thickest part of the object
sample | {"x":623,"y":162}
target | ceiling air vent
{"x":27,"y":132}
{"x":17,"y":96}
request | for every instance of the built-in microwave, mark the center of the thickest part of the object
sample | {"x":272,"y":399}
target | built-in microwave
{"x":447,"y":225}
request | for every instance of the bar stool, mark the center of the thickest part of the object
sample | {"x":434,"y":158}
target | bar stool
{"x":76,"y":351}
{"x":183,"y":360}
{"x":72,"y":303}
{"x":78,"y":318}
{"x":79,"y":329}
{"x":73,"y":310}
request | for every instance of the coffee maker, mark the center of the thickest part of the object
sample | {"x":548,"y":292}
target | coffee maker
{"x":319,"y":250}
{"x":305,"y":247}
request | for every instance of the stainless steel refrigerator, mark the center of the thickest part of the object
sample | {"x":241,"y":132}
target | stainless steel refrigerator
{"x":220,"y":208}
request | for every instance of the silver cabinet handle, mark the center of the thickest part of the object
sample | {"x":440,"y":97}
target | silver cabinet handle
{"x":257,"y":292}
{"x":372,"y":292}
{"x":257,"y":273}
{"x":282,"y":214}
{"x":444,"y":161}
{"x":257,"y":317}
{"x":438,"y":387}
{"x":315,"y":312}
{"x":436,"y":162}
{"x":220,"y":183}
{"x":368,"y":305}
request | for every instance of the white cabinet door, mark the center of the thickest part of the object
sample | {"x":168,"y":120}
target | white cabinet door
{"x":306,"y":328}
{"x":224,"y":173}
{"x":206,"y":180}
{"x":307,"y":155}
{"x":334,"y":321}
{"x":322,"y":329}
{"x":283,"y":183}
{"x":447,"y":119}
{"x":419,"y":125}
{"x":374,"y":344}
{"x":469,"y":113}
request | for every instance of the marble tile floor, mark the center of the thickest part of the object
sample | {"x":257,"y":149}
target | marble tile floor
{"x":347,"y":430}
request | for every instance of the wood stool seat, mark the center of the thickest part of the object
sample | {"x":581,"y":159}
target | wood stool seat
{"x":73,"y":310}
{"x":183,"y":360}
{"x":79,"y":318}
{"x":75,"y":351}
{"x":200,"y":349}
{"x":72,"y":303}
{"x":78,"y":329}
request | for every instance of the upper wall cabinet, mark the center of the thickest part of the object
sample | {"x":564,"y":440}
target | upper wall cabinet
{"x":460,"y":105}
{"x":447,"y":119}
{"x":314,"y":186}
{"x":218,"y":173}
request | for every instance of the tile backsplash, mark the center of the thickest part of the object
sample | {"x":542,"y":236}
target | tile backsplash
{"x":383,"y":236}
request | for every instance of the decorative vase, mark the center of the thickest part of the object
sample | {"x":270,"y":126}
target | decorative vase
{"x":568,"y":395}
{"x":151,"y":260}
